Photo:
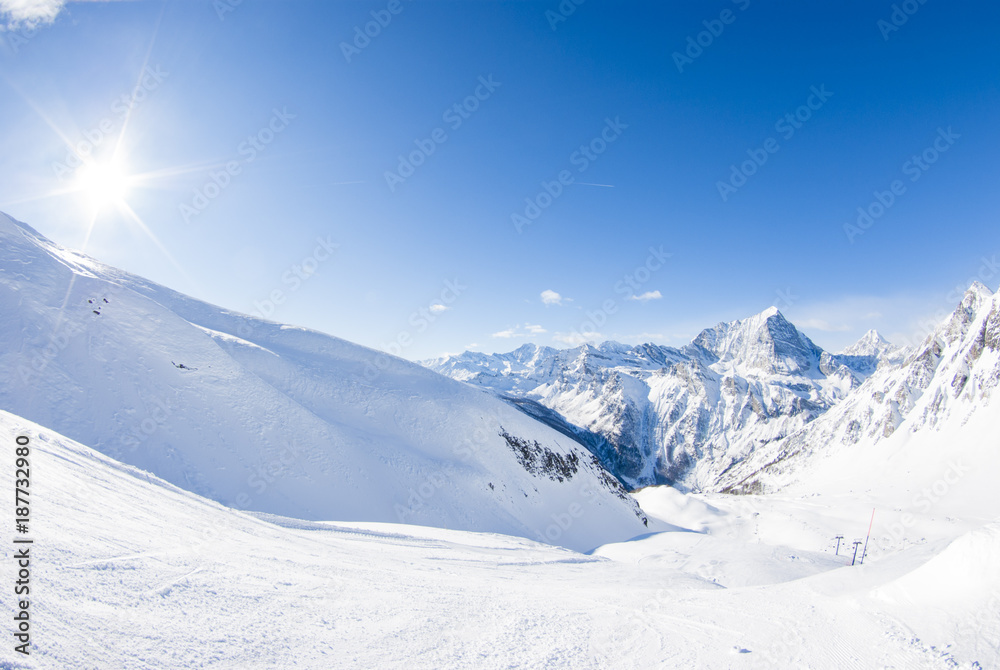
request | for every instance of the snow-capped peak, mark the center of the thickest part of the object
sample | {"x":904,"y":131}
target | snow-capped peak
{"x":977,"y":294}
{"x":871,"y":344}
{"x":652,"y":413}
{"x":766,"y":342}
{"x":950,"y":377}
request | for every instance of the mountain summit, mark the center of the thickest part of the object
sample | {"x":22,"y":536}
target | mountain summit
{"x":657,"y":414}
{"x":766,"y":343}
{"x":916,"y":418}
{"x":871,"y":344}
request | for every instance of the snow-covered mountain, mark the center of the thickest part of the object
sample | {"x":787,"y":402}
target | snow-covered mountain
{"x":866,"y":355}
{"x":934,"y":407}
{"x":683,"y":416}
{"x":279,"y":419}
{"x":873,"y":344}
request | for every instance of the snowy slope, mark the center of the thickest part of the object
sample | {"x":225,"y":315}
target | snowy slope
{"x":682,"y":416}
{"x":131,"y":572}
{"x":280,"y":419}
{"x":931,"y":422}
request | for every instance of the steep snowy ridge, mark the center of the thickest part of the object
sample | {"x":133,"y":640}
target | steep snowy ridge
{"x":679,"y":416}
{"x":280,"y":419}
{"x":935,"y":394}
{"x":765,"y":343}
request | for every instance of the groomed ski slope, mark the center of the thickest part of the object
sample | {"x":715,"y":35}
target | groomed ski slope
{"x":131,"y":572}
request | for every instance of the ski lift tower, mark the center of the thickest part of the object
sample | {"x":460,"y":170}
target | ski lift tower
{"x":857,"y":543}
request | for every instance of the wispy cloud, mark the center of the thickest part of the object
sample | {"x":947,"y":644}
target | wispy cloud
{"x":550,"y":297}
{"x":647,"y":296}
{"x":902,"y":318}
{"x":526,"y":330}
{"x":30,"y":13}
{"x":437,"y":308}
{"x":576,"y":339}
{"x":824,"y":325}
{"x":641,"y":338}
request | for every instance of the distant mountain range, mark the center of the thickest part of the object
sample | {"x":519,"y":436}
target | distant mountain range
{"x":713,"y":414}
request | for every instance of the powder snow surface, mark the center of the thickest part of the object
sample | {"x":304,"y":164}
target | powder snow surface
{"x":132,"y":572}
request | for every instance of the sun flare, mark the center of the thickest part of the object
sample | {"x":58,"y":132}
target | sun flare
{"x":104,"y":185}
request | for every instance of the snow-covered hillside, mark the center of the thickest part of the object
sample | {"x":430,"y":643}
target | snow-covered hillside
{"x":933,"y":419}
{"x":278,"y":419}
{"x":131,"y":572}
{"x":682,"y":416}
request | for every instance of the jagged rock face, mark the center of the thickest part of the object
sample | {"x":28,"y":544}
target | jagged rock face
{"x":684,"y":416}
{"x":839,"y":364}
{"x":953,"y":373}
{"x":766,"y":343}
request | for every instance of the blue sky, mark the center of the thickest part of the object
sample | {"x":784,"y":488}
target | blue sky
{"x":635,"y":128}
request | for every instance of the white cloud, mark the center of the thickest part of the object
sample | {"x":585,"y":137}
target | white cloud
{"x":641,"y":338}
{"x":437,"y":308}
{"x":823,"y":325}
{"x":550,"y":297}
{"x":520,"y":331}
{"x":576,"y":339}
{"x":900,"y":317}
{"x":648,"y":295}
{"x":30,"y":12}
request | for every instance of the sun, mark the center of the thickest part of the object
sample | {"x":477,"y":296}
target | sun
{"x":104,"y":184}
